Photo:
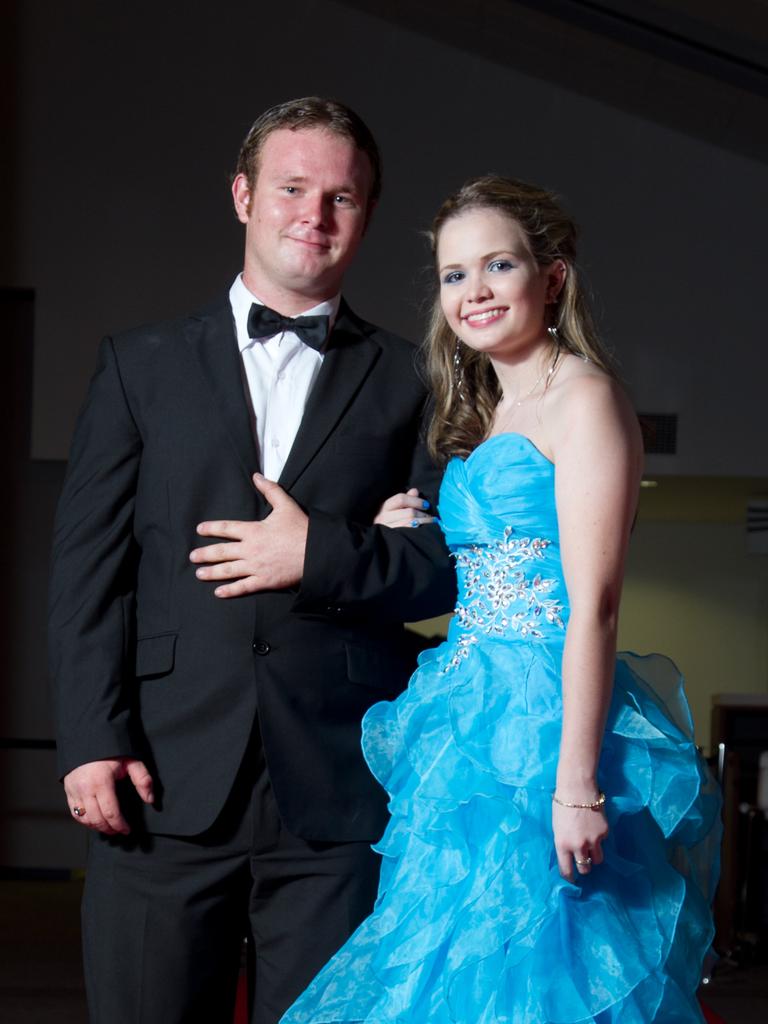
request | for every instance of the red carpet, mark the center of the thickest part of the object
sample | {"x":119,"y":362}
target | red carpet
{"x":710,"y":1016}
{"x":241,"y":1004}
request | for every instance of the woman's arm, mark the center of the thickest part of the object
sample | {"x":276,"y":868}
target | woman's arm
{"x":598,"y":457}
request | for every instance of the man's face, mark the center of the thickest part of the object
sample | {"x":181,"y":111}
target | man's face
{"x":304,"y":217}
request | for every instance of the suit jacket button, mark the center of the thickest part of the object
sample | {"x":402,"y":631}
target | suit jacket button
{"x":262,"y":647}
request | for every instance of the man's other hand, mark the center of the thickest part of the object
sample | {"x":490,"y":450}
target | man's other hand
{"x":90,"y":790}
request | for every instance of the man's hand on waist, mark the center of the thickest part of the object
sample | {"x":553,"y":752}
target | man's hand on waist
{"x":266,"y":555}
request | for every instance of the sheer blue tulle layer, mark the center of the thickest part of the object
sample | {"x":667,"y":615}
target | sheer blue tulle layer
{"x":473,"y":923}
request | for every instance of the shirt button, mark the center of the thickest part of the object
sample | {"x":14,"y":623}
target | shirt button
{"x":275,"y":442}
{"x":281,"y":376}
{"x":261,"y":647}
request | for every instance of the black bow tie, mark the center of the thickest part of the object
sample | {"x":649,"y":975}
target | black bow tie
{"x":264,"y":322}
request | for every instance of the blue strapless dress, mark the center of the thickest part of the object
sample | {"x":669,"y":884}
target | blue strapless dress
{"x":473,"y":923}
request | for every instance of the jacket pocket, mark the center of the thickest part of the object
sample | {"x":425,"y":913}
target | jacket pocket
{"x":155,"y":655}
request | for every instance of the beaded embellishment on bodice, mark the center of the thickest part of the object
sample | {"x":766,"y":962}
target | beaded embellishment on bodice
{"x":500,"y":522}
{"x":498,"y":595}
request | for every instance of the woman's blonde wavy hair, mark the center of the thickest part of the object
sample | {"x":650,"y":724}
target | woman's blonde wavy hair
{"x":465,"y":396}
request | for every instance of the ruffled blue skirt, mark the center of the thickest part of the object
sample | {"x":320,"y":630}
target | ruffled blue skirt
{"x":473,"y":923}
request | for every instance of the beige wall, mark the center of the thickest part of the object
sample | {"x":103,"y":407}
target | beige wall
{"x":694,"y":593}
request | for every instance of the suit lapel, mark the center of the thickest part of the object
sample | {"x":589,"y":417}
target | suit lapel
{"x":350,"y":358}
{"x":211,"y":335}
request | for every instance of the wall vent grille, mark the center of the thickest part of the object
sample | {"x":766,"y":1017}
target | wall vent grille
{"x":757,"y":526}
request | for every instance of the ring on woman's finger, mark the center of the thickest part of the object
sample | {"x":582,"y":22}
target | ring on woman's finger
{"x":79,"y":812}
{"x":587,"y":862}
{"x":415,"y":523}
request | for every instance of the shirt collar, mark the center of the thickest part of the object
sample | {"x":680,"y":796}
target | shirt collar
{"x":241,"y":299}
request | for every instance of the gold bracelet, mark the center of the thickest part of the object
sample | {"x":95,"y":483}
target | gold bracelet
{"x":597,"y":805}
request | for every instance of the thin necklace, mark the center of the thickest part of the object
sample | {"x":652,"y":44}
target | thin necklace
{"x":544,"y":373}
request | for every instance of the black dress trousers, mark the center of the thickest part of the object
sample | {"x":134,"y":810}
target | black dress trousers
{"x":164,"y":917}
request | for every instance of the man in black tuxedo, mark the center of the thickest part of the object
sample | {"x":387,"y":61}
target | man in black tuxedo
{"x":209,"y":703}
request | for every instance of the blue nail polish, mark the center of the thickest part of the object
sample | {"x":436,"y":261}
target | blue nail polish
{"x":425,"y":503}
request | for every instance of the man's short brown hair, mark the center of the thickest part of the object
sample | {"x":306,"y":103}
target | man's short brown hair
{"x":305,"y":113}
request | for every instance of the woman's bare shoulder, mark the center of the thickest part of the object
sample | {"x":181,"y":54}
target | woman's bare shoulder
{"x":583,"y":397}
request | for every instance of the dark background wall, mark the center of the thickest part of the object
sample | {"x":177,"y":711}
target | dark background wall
{"x":129,"y":119}
{"x":125,"y":121}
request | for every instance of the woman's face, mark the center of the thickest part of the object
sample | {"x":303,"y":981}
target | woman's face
{"x":492,"y":291}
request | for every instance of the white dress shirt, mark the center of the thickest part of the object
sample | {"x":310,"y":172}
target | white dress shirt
{"x":279,"y":372}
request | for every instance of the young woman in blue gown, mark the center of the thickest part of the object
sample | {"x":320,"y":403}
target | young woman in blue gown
{"x":552,"y":847}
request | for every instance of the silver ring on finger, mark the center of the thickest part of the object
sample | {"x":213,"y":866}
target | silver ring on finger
{"x":586,"y":863}
{"x":79,"y":812}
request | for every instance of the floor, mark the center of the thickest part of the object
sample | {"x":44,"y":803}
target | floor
{"x":41,"y":979}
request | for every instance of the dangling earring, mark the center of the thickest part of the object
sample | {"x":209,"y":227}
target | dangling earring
{"x":554,"y":334}
{"x":458,"y":371}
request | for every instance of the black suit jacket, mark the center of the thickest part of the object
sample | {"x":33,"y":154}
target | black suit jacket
{"x":147,"y":662}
